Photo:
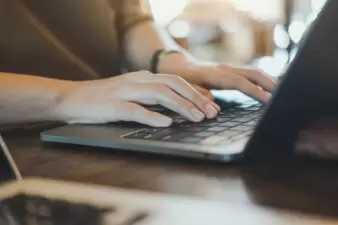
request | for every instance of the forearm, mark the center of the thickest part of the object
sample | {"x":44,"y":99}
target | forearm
{"x":142,"y":41}
{"x":29,"y":98}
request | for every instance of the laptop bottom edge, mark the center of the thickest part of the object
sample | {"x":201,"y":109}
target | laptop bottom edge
{"x":229,"y":153}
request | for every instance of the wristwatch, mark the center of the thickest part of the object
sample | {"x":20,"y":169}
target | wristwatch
{"x":157,"y":56}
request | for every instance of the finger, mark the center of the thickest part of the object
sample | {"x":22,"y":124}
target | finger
{"x":204,"y":92}
{"x":208,"y":94}
{"x":160,"y":94}
{"x":186,"y":90}
{"x":258,"y":77}
{"x":133,"y":112}
{"x":251,"y":90}
{"x":173,"y":101}
{"x":218,"y":108}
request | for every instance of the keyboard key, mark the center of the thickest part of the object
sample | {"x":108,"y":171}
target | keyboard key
{"x":254,"y":108}
{"x":151,"y":130}
{"x":204,"y":134}
{"x":190,"y":127}
{"x":194,"y":129}
{"x":253,"y":116}
{"x":179,"y":120}
{"x":229,"y":133}
{"x":242,"y":119}
{"x":242,"y":112}
{"x":148,"y":137}
{"x":207,"y":124}
{"x":242,"y":128}
{"x":138,"y":135}
{"x":183,"y":125}
{"x":217,"y":129}
{"x":229,"y":124}
{"x":251,"y":123}
{"x":223,"y":119}
{"x":256,"y":113}
{"x":191,"y":140}
{"x":176,"y":136}
{"x":228,"y":115}
{"x":160,"y":134}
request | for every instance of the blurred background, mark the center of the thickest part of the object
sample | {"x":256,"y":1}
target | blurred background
{"x":262,"y":33}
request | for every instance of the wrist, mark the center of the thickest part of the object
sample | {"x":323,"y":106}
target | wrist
{"x":177,"y":63}
{"x":189,"y":68}
{"x":63,"y":90}
{"x":163,"y":60}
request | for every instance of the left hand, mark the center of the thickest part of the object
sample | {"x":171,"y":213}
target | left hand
{"x":252,"y":82}
{"x":204,"y":92}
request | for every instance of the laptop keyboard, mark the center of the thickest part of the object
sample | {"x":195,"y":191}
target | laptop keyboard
{"x":229,"y":126}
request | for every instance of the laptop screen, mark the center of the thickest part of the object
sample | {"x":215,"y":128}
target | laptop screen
{"x":6,"y":171}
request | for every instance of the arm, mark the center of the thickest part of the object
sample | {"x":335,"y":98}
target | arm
{"x":26,"y":98}
{"x":143,"y":40}
{"x":29,"y":98}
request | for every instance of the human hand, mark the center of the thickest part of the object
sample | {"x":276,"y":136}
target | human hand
{"x":119,"y":98}
{"x":204,"y":92}
{"x":250,"y":81}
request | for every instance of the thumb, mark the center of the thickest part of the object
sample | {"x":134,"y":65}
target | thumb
{"x":129,"y":111}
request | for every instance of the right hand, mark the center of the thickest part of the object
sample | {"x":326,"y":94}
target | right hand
{"x":119,"y":98}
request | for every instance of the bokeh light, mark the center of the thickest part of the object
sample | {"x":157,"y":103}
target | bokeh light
{"x":164,"y":11}
{"x":296,"y":30}
{"x":281,"y":37}
{"x":179,"y":29}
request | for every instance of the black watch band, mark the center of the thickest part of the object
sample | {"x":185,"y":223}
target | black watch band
{"x":156,"y":58}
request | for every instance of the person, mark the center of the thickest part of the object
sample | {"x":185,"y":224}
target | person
{"x":66,"y":60}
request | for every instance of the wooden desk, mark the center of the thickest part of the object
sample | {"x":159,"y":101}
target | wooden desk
{"x":309,"y":189}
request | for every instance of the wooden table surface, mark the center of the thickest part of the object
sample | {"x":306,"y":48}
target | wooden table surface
{"x":308,"y":188}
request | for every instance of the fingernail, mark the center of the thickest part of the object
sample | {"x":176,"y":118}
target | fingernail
{"x":267,"y":97}
{"x":165,"y":121}
{"x":198,"y":115}
{"x":211,"y":111}
{"x":217,"y":107}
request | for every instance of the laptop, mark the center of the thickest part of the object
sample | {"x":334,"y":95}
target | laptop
{"x":242,"y":131}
